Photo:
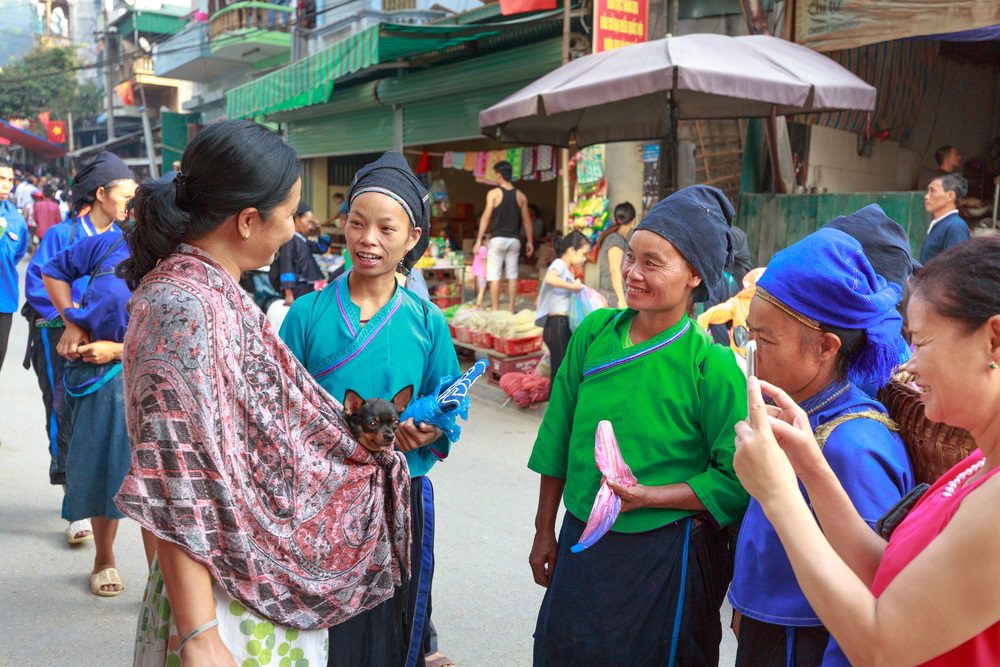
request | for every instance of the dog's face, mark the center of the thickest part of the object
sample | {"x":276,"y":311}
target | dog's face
{"x":374,"y":421}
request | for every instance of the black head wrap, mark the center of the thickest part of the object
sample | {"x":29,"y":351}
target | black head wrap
{"x":302,"y":209}
{"x":883,"y":241}
{"x":391,"y":175}
{"x":100,"y":171}
{"x":696,"y":220}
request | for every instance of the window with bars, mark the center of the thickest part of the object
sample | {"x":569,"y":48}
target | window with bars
{"x":398,"y":5}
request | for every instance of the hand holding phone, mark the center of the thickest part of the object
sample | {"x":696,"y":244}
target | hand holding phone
{"x":751,"y":348}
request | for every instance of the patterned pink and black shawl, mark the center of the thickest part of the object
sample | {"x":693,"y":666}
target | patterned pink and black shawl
{"x":243,"y":460}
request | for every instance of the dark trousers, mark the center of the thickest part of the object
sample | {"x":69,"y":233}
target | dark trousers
{"x":5,"y":320}
{"x":556,"y":335}
{"x":767,"y":645}
{"x":635,"y":599}
{"x":398,"y":632}
{"x":41,"y":356}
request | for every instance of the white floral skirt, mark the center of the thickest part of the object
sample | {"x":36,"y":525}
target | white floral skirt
{"x":253,"y":641}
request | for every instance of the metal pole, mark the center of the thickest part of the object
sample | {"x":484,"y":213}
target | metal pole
{"x":109,"y":74}
{"x":147,"y":129}
{"x":564,"y":194}
{"x":397,"y":128}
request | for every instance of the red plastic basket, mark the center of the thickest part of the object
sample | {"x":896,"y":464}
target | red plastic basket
{"x":443,"y":302}
{"x":482,"y":339}
{"x":500,"y":366}
{"x":527,"y":286}
{"x":463,"y":335}
{"x":514,"y":347}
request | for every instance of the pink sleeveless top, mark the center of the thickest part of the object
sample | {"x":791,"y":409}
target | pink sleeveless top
{"x":924,"y":523}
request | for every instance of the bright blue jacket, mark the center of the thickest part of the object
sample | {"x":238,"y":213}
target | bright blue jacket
{"x":55,"y":241}
{"x":13,"y":245}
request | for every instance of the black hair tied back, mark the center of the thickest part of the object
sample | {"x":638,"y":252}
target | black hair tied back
{"x":228,"y":167}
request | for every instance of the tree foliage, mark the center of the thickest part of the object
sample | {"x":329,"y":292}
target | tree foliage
{"x":45,"y":79}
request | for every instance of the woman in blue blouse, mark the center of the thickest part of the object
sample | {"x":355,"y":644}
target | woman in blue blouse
{"x":99,"y":452}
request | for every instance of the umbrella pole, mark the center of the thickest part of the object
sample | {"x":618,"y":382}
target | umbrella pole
{"x":668,"y":149}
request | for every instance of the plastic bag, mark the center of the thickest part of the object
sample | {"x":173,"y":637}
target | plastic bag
{"x":583,"y":303}
{"x":607,"y":505}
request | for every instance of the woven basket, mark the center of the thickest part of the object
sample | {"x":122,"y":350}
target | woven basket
{"x":934,"y":448}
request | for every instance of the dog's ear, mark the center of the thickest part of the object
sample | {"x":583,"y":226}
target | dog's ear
{"x":402,"y":399}
{"x":352,"y":402}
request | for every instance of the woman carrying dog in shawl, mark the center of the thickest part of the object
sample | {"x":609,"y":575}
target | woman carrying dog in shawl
{"x":272,"y":523}
{"x":649,"y":591}
{"x":366,"y":334}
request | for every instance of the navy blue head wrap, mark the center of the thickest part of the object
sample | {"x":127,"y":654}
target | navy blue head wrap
{"x":391,"y":175}
{"x":97,"y":173}
{"x":825,"y":279}
{"x":883,"y":240}
{"x":696,"y":220}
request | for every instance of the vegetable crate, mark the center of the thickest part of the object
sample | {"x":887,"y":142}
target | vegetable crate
{"x":482,"y":339}
{"x":527,"y":286}
{"x":500,"y":365}
{"x":463,"y":335}
{"x":517,"y":346}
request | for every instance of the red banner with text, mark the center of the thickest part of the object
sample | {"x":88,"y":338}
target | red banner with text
{"x":619,"y":23}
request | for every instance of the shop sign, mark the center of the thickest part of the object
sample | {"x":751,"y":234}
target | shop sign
{"x":828,"y":25}
{"x":619,"y":23}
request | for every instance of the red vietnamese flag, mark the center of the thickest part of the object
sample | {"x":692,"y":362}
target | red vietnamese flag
{"x":44,"y":117}
{"x":57,"y":131}
{"x":508,"y":7}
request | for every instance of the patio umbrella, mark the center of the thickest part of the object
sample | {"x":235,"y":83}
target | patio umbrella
{"x":632,"y":93}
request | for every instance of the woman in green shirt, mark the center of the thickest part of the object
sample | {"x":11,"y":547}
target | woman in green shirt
{"x":673,"y":398}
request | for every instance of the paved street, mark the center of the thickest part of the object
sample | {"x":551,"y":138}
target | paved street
{"x":484,"y":599}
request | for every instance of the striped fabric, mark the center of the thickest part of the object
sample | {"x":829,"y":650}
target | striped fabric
{"x":899,"y":71}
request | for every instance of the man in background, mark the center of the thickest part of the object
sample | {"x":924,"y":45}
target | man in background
{"x":13,"y":246}
{"x":947,"y":228}
{"x":46,"y":212}
{"x":506,"y":216}
{"x":948,"y":160}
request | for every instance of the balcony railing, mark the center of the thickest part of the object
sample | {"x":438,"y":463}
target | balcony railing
{"x":251,"y":15}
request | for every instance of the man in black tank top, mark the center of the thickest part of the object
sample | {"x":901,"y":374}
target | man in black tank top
{"x":506,"y":215}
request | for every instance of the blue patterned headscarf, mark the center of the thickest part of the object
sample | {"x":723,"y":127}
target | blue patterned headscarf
{"x":696,"y":220}
{"x":825,"y":279}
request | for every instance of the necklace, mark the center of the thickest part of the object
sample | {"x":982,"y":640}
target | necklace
{"x":959,"y":480}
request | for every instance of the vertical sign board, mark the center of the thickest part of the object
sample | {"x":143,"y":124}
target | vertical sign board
{"x":620,"y":23}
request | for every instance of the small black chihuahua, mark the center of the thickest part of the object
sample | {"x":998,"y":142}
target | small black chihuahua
{"x":374,"y":421}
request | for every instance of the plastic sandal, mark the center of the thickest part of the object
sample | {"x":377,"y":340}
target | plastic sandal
{"x":106,"y":577}
{"x":79,"y":531}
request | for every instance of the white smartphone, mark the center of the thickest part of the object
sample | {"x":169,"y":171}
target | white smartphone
{"x":751,"y":348}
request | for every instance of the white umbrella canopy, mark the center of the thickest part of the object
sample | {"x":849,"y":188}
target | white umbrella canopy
{"x":627,"y":94}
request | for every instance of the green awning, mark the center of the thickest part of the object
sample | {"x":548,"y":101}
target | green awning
{"x":310,"y":80}
{"x":149,"y":22}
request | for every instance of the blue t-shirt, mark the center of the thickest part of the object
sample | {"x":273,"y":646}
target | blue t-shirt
{"x":102,"y":309}
{"x":55,"y":241}
{"x":871,"y":463}
{"x":13,"y":245}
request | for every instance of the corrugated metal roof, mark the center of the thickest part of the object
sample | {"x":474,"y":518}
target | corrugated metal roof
{"x":310,"y":81}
